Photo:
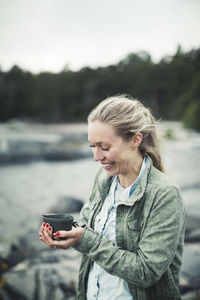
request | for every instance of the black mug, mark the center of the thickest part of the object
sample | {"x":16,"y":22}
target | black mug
{"x":59,"y":221}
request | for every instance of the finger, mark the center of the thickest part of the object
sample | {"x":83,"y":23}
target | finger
{"x":49,"y":241}
{"x":42,"y":227}
{"x":43,"y":238}
{"x":65,"y":234}
{"x":46,"y":238}
{"x":62,"y":244}
{"x":46,"y":227}
{"x":50,"y":231}
{"x":73,"y":234}
{"x":45,"y":230}
{"x":56,"y":237}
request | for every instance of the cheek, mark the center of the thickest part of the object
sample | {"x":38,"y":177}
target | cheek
{"x":121,"y":157}
{"x":115,"y":156}
{"x":112,"y":156}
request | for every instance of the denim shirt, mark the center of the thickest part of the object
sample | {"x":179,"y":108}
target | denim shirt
{"x":102,"y":285}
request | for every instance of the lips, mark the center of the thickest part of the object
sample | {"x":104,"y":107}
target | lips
{"x":107,"y":166}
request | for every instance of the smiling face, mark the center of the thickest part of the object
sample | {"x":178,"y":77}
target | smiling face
{"x":117,"y":156}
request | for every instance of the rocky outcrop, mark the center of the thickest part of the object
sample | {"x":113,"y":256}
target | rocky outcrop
{"x":66,"y":204}
{"x":23,"y":142}
{"x":46,"y":274}
{"x":32,"y":271}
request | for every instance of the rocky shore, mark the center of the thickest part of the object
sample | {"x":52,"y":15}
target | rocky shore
{"x":30,"y":270}
{"x":25,"y":142}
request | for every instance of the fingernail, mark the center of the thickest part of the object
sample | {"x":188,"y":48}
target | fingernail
{"x":50,"y":228}
{"x":57,"y":233}
{"x":40,"y":234}
{"x":44,"y":224}
{"x":47,"y":225}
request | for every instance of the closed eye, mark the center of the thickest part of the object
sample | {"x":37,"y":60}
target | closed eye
{"x":103,"y":148}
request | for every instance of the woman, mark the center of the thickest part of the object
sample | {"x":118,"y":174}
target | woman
{"x":132,"y":229}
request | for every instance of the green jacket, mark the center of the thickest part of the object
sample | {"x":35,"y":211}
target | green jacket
{"x":149,"y":234}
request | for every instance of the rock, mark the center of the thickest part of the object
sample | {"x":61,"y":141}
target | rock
{"x":192,"y":231}
{"x":190,"y":271}
{"x":192,"y":222}
{"x":23,"y":143}
{"x":51,"y":274}
{"x":47,"y":155}
{"x":193,"y":236}
{"x":15,"y":255}
{"x":67,"y":204}
{"x":33,"y":271}
{"x":30,"y":244}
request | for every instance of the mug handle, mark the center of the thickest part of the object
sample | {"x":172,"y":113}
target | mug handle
{"x":75,"y":224}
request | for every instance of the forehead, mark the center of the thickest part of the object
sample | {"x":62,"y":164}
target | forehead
{"x":99,"y":132}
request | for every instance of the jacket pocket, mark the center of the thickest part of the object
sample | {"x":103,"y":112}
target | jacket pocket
{"x":133,"y":234}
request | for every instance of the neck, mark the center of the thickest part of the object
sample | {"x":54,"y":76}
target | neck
{"x":127,"y":179}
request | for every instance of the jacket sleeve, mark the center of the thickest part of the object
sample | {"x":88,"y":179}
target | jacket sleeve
{"x":163,"y":232}
{"x":84,"y":215}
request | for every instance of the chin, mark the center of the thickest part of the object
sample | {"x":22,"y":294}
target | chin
{"x":111,"y":173}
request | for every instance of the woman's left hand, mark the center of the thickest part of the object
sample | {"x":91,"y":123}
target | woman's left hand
{"x":69,"y":237}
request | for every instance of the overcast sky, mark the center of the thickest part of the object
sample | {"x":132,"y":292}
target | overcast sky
{"x":41,"y":35}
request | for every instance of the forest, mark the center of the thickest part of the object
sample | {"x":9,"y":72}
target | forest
{"x":170,"y":88}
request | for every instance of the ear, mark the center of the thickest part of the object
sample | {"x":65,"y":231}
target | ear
{"x":137,"y":139}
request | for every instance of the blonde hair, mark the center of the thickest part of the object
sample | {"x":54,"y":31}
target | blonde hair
{"x":128,"y":116}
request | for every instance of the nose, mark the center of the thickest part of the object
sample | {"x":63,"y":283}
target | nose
{"x":97,"y":154}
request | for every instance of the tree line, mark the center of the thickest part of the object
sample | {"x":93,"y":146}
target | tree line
{"x":170,"y":88}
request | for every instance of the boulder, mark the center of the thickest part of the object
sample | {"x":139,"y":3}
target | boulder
{"x":192,"y":231}
{"x":34,"y":271}
{"x":67,"y":204}
{"x":50,"y":275}
{"x":190,"y":270}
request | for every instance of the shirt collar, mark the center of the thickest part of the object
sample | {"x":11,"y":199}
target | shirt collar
{"x":129,"y":190}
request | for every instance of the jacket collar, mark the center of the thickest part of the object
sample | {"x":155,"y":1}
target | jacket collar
{"x":141,"y":187}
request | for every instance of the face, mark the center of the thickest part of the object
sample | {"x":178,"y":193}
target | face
{"x":115,"y":155}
